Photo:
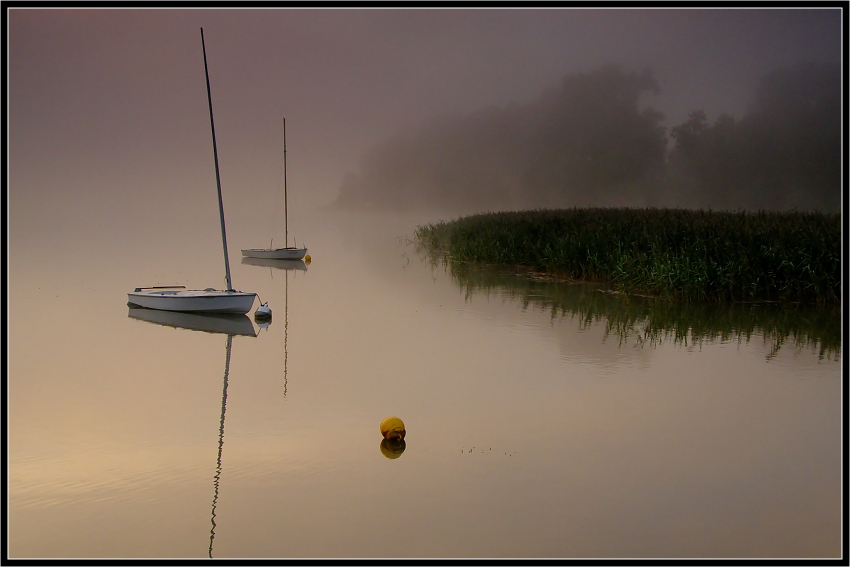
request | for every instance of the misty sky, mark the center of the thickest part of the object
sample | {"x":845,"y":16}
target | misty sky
{"x":108,"y":113}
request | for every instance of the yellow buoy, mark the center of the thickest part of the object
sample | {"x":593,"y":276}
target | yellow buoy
{"x":307,"y":258}
{"x":392,"y":428}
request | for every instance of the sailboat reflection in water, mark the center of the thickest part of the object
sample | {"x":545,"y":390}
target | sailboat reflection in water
{"x":287,"y":266}
{"x":230,"y":325}
{"x":219,"y":323}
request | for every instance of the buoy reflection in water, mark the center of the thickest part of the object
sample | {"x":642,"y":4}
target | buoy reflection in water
{"x":393,"y":448}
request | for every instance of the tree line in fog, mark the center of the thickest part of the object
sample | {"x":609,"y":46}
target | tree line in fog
{"x":590,"y":142}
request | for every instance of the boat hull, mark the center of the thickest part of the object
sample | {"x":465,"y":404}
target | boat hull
{"x":192,"y":300}
{"x":275,"y":253}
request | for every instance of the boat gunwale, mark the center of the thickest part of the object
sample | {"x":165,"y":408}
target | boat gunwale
{"x":193,"y":293}
{"x":288,"y":248}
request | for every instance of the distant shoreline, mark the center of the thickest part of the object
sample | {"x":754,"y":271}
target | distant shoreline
{"x":674,"y":255}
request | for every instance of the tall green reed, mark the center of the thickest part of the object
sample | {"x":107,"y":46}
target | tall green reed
{"x":679,"y":255}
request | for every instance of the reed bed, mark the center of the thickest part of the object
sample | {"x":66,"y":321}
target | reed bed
{"x":673,"y":254}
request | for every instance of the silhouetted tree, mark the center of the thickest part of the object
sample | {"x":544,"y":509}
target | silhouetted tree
{"x":587,"y":139}
{"x":588,"y":142}
{"x":593,"y":139}
{"x":688,"y":135}
{"x":784,"y":153}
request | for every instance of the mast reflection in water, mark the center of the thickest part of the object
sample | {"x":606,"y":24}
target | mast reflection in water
{"x":220,"y":442}
{"x":231,"y":325}
{"x":287,"y":266}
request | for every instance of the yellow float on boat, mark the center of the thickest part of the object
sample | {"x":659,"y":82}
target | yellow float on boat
{"x":392,"y":428}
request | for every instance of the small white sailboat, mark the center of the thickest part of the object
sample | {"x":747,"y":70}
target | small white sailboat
{"x":287,"y":252}
{"x":209,"y":300}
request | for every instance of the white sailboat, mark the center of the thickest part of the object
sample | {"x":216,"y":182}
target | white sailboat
{"x":287,"y":252}
{"x":209,"y":300}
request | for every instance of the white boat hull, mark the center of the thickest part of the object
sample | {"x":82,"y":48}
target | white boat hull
{"x":290,"y":253}
{"x":193,"y":300}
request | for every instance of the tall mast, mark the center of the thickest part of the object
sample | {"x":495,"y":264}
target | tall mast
{"x":285,"y":211}
{"x":217,"y":177}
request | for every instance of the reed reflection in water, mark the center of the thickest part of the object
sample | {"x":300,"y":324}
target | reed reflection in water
{"x":651,"y":322}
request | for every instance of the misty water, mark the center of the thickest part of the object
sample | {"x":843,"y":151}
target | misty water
{"x":542,"y":420}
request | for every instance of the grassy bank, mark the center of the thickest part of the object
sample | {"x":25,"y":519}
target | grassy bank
{"x":677,"y":255}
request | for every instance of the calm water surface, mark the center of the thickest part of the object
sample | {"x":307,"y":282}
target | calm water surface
{"x":532,"y":432}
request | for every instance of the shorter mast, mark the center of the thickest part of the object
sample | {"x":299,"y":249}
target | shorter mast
{"x":285,"y":211}
{"x":217,"y":177}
